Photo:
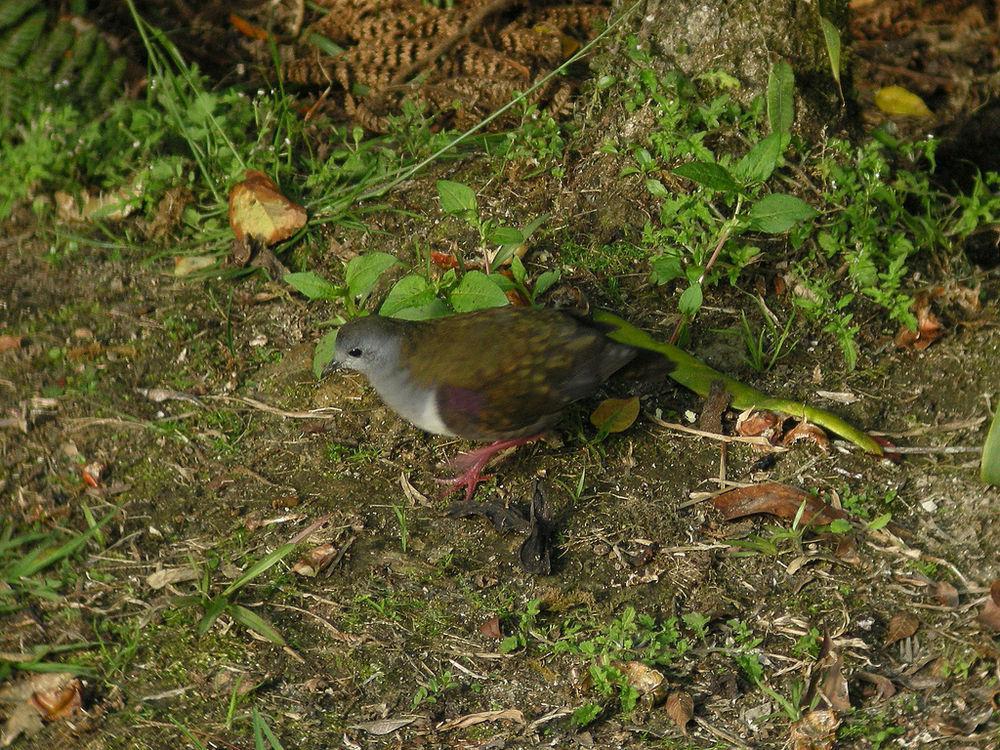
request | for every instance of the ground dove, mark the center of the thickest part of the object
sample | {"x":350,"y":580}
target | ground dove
{"x":502,"y":375}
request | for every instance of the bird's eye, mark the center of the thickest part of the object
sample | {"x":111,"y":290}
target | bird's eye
{"x":354,"y":352}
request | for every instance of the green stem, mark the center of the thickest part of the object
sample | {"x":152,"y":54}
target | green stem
{"x":698,"y":377}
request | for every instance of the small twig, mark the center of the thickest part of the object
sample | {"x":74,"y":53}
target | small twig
{"x":761,"y":441}
{"x":930,"y":449}
{"x":261,"y":406}
{"x":963,"y":424}
{"x":82,"y":423}
{"x":719,"y":733}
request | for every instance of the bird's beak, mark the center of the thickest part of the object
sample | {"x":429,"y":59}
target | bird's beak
{"x":332,"y":366}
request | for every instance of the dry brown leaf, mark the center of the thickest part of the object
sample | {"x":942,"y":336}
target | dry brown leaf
{"x":989,"y":615}
{"x":315,"y":560}
{"x":60,"y":703}
{"x":8,"y":342}
{"x":470,"y":720}
{"x":615,"y":414}
{"x":966,"y":298}
{"x":259,"y":211}
{"x":817,"y":730}
{"x":247,"y":29}
{"x":776,"y":499}
{"x":902,"y":625}
{"x":45,"y":695}
{"x":946,"y":594}
{"x":643,"y":678}
{"x":161,"y":578}
{"x":766,"y":424}
{"x":444,"y":260}
{"x":385,"y":726}
{"x":929,"y":328}
{"x":833,"y":685}
{"x":809,"y":433}
{"x":884,"y":689}
{"x":491,"y":629}
{"x":680,"y":708}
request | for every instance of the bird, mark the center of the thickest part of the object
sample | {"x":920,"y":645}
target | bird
{"x":503,"y":375}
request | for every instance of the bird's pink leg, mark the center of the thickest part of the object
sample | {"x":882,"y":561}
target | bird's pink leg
{"x":471,"y":465}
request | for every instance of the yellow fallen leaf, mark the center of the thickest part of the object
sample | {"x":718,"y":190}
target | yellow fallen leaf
{"x":188,"y":264}
{"x":615,"y":414}
{"x":258,"y":210}
{"x":895,"y":100}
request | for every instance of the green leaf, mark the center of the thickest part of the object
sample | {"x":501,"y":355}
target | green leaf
{"x":779,"y":212}
{"x":831,"y":35}
{"x":691,"y":300}
{"x":250,"y":619}
{"x":364,"y":270}
{"x":436,"y":308}
{"x":665,"y":268}
{"x":258,"y":568}
{"x":545,"y":282}
{"x":879,"y":522}
{"x":656,"y":188}
{"x":840,"y":526}
{"x":313,"y":286}
{"x":990,"y":467}
{"x":644,"y":159}
{"x":780,"y":97}
{"x":456,"y":198}
{"x":324,"y":352}
{"x":502,"y":281}
{"x":412,"y":298}
{"x":760,"y":161}
{"x":529,"y":229}
{"x":709,"y":174}
{"x":505,"y":236}
{"x":476,"y":291}
{"x":409,"y":291}
{"x":517,"y":269}
{"x":215,"y":608}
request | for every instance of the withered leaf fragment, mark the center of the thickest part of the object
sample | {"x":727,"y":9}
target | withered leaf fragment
{"x":680,"y":708}
{"x":257,"y":209}
{"x":989,"y":615}
{"x":775,"y":499}
{"x":817,"y":730}
{"x":503,"y":518}
{"x":536,"y":552}
{"x":902,"y":625}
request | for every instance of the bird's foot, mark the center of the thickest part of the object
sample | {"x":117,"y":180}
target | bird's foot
{"x":471,"y":465}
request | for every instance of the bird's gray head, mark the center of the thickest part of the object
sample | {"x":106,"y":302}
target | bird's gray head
{"x":368,"y":345}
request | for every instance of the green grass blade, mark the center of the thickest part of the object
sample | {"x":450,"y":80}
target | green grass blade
{"x":250,"y":619}
{"x":215,"y":608}
{"x":262,"y":731}
{"x":40,"y":559}
{"x":990,"y":469}
{"x":259,"y":567}
{"x":831,"y":36}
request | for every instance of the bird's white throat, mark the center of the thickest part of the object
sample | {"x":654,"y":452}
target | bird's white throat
{"x":415,"y":404}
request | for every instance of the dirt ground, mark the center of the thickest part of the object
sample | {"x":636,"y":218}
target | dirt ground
{"x":224,"y":463}
{"x":189,"y":410}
